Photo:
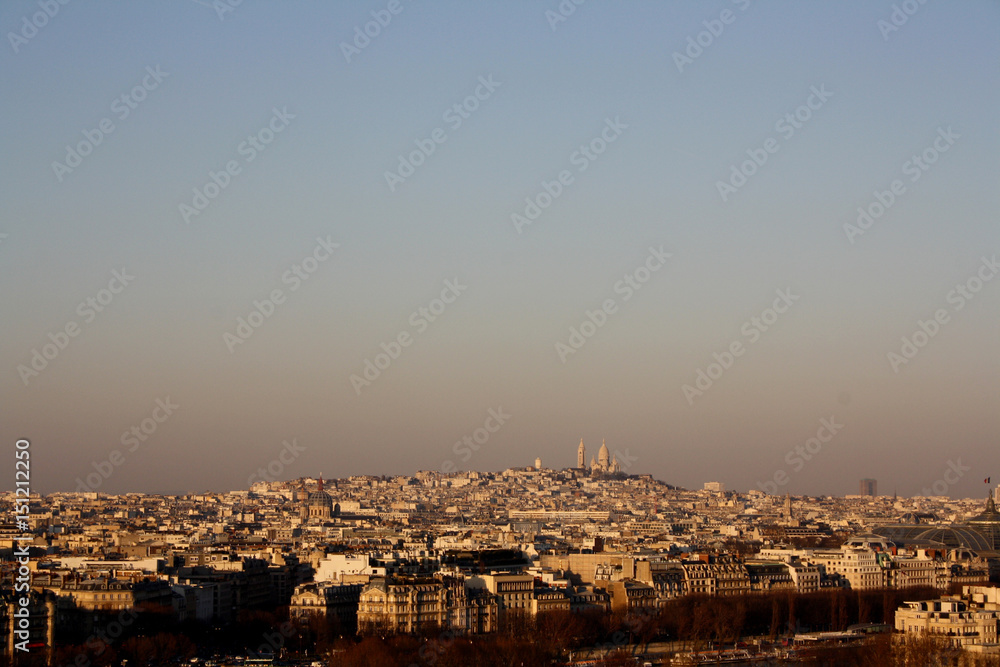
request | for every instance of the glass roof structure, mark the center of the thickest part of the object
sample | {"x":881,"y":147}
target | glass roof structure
{"x":952,"y":536}
{"x":980,"y":534}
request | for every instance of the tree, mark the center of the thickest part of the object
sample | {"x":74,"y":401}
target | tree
{"x":775,"y":618}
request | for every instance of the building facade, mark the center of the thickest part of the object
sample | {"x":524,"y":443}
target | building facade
{"x":388,"y":604}
{"x":963,"y":621}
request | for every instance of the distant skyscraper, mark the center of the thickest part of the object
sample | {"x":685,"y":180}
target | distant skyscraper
{"x":538,"y":463}
{"x":869,"y":487}
{"x":581,"y":455}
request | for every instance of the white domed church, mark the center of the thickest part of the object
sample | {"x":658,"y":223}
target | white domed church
{"x":604,"y":463}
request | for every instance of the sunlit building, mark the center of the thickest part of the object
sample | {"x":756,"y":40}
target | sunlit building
{"x":388,"y":604}
{"x":967,"y":620}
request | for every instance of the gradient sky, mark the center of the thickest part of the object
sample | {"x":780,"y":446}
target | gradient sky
{"x":495,"y":346}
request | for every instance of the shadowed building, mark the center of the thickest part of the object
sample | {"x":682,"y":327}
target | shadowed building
{"x":337,"y":602}
{"x":37,"y":629}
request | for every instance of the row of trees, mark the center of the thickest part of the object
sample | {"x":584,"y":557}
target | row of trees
{"x":157,"y":638}
{"x":698,"y":620}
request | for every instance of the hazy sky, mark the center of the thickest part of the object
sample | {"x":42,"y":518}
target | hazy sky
{"x":120,"y":121}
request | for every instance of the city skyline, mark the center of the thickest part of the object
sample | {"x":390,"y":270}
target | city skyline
{"x":740,"y":241}
{"x":314,"y":573}
{"x":605,"y":465}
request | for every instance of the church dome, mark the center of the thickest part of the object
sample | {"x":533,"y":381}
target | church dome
{"x":318,"y":504}
{"x":603,"y":455}
{"x":319,"y":499}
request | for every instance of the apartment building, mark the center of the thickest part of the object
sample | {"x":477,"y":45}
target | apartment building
{"x":408,"y":605}
{"x":962,"y":622}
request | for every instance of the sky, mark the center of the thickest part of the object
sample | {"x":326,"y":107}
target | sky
{"x":741,"y":241}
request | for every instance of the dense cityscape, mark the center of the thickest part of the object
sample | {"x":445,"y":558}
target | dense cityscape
{"x":607,"y":567}
{"x":594,"y":334}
